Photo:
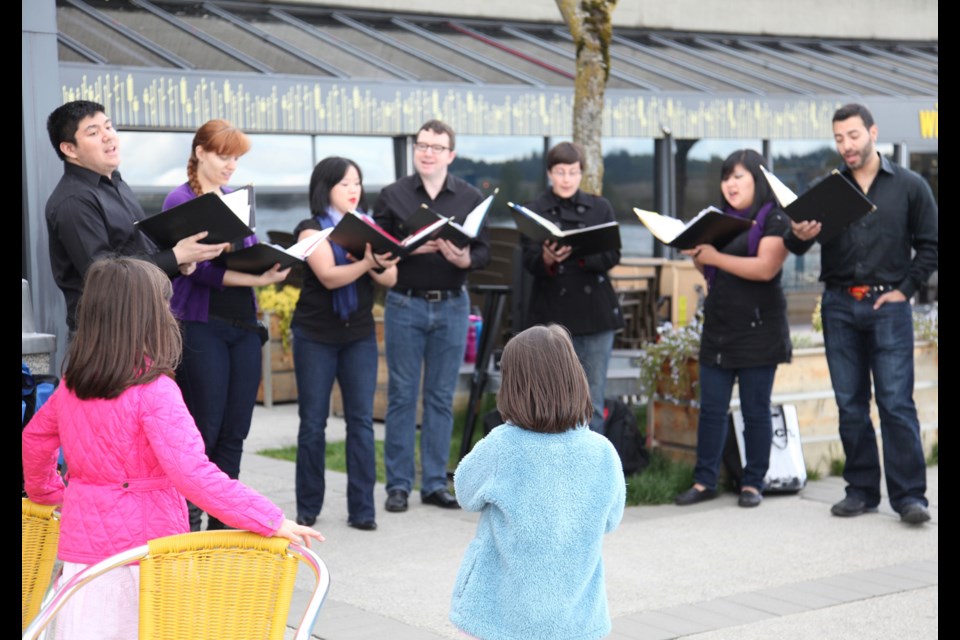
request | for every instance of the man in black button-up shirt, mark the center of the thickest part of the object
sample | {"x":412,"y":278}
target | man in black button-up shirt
{"x":870,"y":272}
{"x":425,"y":319}
{"x":91,"y":213}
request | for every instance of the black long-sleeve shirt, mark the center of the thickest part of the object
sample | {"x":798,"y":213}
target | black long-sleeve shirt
{"x":877,"y":248}
{"x":90,"y":216}
{"x":457,"y":198}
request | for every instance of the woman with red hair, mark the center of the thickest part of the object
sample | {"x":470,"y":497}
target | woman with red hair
{"x":220,"y":370}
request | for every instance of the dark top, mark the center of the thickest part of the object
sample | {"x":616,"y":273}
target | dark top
{"x":577,"y":292}
{"x":314,"y":314}
{"x":745,"y":321}
{"x":90,"y":216}
{"x":457,"y":198}
{"x":877,"y":248}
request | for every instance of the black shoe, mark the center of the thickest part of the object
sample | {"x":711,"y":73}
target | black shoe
{"x":914,"y":513}
{"x":396,"y":501}
{"x":694,"y":495}
{"x":441,"y":498}
{"x":749,"y":499}
{"x":307,"y":521}
{"x":851,"y":506}
{"x":365,"y":525}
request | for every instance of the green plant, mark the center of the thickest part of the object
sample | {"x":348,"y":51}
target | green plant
{"x":836,"y":466}
{"x":660,"y":482}
{"x":281,"y":302}
{"x":802,"y":340}
{"x":934,"y":458}
{"x":926,"y":324}
{"x":816,"y":318}
{"x":813,"y":474}
{"x":665,"y":364}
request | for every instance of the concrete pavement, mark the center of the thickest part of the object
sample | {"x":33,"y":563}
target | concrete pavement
{"x":787,"y":569}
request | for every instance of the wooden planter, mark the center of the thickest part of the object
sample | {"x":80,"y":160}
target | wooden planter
{"x":278,"y":382}
{"x":673,"y":413}
{"x":805,"y":383}
{"x":380,"y":397}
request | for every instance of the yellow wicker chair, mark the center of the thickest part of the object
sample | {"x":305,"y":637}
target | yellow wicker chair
{"x":39,"y":533}
{"x":210,"y":586}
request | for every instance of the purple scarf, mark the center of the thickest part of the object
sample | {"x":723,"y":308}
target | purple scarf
{"x":753,"y":240}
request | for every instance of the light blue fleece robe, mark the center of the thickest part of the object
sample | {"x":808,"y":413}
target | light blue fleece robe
{"x":535,"y":569}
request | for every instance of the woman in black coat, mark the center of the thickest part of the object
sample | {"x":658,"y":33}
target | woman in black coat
{"x":575,"y":291}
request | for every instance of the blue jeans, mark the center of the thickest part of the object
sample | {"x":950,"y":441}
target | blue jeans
{"x":861,"y":343}
{"x":219,"y":375}
{"x":354,"y":366}
{"x":716,"y":386}
{"x":594,"y":350}
{"x":422,"y":339}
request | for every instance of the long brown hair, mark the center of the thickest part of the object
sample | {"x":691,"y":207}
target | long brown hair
{"x":215,"y":136}
{"x":126,"y":333}
{"x":543,"y":386}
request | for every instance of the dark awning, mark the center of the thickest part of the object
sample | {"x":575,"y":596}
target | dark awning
{"x":306,"y":68}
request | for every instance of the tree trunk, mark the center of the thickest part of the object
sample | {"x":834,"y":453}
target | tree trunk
{"x":590,"y":25}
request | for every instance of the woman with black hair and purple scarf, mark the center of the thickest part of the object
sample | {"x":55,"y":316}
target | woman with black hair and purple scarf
{"x":745,"y":331}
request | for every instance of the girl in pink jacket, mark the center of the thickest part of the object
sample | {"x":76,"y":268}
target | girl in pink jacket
{"x":133,"y":451}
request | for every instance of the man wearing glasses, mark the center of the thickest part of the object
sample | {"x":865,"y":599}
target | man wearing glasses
{"x":425,"y":319}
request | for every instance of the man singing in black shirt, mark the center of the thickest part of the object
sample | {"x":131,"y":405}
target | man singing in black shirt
{"x":425,"y":319}
{"x":870,"y":272}
{"x":91,"y":213}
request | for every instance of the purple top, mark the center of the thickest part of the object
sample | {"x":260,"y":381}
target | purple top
{"x":191,"y":294}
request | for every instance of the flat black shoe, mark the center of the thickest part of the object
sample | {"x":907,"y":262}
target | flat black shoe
{"x":749,"y":499}
{"x":366,"y":525}
{"x":914,"y":513}
{"x":441,"y":498}
{"x":396,"y":501}
{"x":851,"y":506}
{"x":307,"y":521}
{"x":694,"y":495}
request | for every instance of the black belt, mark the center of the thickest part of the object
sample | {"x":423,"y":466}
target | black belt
{"x":256,"y":327}
{"x":431,"y":295}
{"x":861,"y":291}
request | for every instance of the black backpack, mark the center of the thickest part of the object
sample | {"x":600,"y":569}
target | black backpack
{"x":620,"y":427}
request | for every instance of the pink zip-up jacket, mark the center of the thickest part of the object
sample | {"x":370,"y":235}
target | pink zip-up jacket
{"x":131,"y":462}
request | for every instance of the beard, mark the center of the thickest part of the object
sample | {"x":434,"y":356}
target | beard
{"x":862,"y":157}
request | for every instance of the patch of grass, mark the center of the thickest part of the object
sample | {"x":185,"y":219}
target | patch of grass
{"x":813,"y":474}
{"x":934,"y":458}
{"x":286,"y":453}
{"x":660,"y":482}
{"x":836,"y":466}
{"x":336,"y":459}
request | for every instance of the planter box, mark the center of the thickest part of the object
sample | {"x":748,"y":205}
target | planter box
{"x":380,"y":397}
{"x":805,"y":383}
{"x":277,"y":382}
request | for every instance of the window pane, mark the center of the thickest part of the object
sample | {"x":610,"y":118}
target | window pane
{"x":628,"y":183}
{"x":513,"y":163}
{"x":374,"y":155}
{"x":798,"y":163}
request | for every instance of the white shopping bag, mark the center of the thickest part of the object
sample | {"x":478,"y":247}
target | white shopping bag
{"x":787,"y":472}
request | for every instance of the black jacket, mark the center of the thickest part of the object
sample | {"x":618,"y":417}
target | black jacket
{"x":577,"y":293}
